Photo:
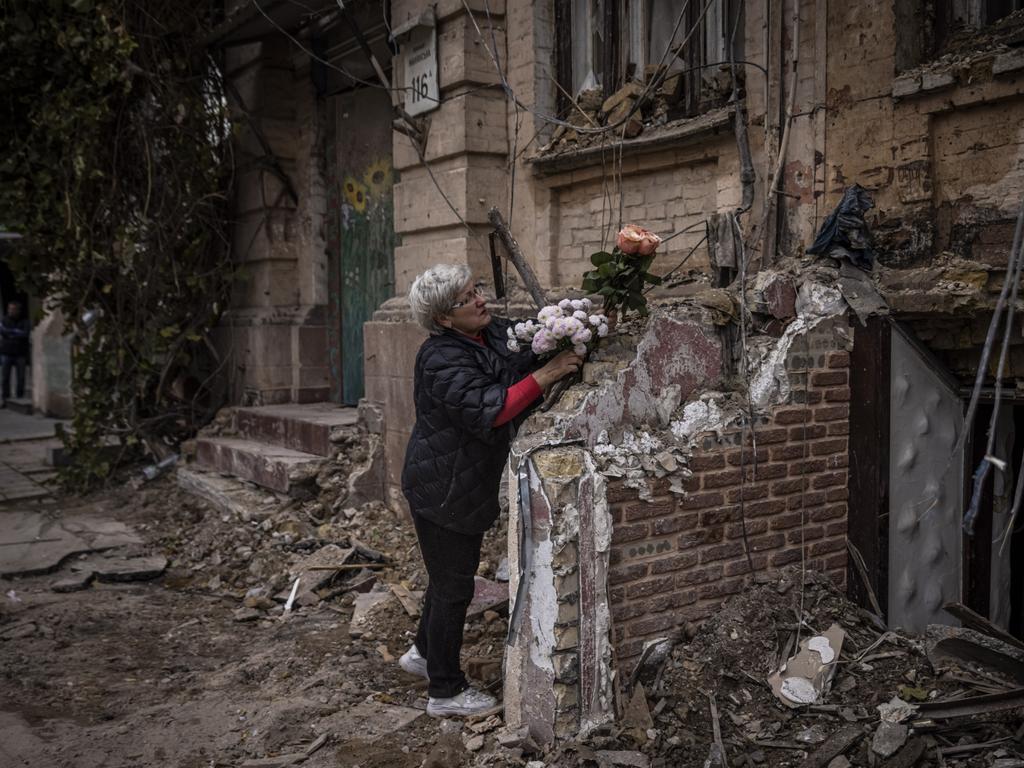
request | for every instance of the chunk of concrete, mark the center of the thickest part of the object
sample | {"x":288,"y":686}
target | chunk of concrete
{"x":74,"y":583}
{"x":888,"y":738}
{"x":487,"y":596}
{"x":33,"y":543}
{"x":371,"y":719}
{"x":118,"y":569}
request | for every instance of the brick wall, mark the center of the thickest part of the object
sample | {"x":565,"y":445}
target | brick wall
{"x":676,"y":559}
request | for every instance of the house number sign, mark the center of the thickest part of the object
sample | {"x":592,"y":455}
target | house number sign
{"x":422,"y":93}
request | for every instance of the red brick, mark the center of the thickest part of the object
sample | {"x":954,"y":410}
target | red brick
{"x":619,"y":492}
{"x":826,"y":447}
{"x":839,"y":428}
{"x":806,"y":500}
{"x":649,"y":587}
{"x":792,"y":416}
{"x":628,"y":609}
{"x":809,"y":432}
{"x":771,"y":435}
{"x":703,"y":462}
{"x":768,"y":541}
{"x":626,"y":573}
{"x":748,"y":492}
{"x":836,"y":562}
{"x":832,"y":413}
{"x":713,"y":517}
{"x":790,"y":451}
{"x":741,"y":566}
{"x":838,"y":528}
{"x":830,"y":512}
{"x":838,"y":460}
{"x":745,"y":457}
{"x":721,"y":552}
{"x":754,"y":527}
{"x":617,"y":594}
{"x":827,"y":546}
{"x":645,"y":509}
{"x":828,"y":378}
{"x":721,"y":588}
{"x":810,"y":467}
{"x":651,"y":624}
{"x":785,"y":557}
{"x":698,"y":575}
{"x":674,"y":563}
{"x":770,"y":471}
{"x":701,"y":500}
{"x":788,"y":520}
{"x":768,"y":507}
{"x":786,"y":487}
{"x":807,"y":397}
{"x":628,"y":649}
{"x":722,"y":479}
{"x":829,"y":479}
{"x":677,"y":522}
{"x":838,"y":494}
{"x":838,"y":359}
{"x":616,"y":512}
{"x":837,"y":395}
{"x":635,"y":532}
{"x":804,"y":534}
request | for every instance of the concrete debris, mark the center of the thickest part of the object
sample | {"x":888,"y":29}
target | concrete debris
{"x":895,"y":710}
{"x":888,"y":738}
{"x":115,"y":569}
{"x":607,"y":758}
{"x":365,"y":604}
{"x":74,"y":583}
{"x":487,"y":596}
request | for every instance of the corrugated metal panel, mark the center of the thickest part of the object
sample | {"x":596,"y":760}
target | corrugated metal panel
{"x":926,"y":491}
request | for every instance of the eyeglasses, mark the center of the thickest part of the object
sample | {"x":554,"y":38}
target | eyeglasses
{"x":477,"y":293}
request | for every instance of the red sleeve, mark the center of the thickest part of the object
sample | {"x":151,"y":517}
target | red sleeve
{"x":517,"y":398}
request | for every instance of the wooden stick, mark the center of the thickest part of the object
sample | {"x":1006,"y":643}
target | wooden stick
{"x":717,"y":730}
{"x":862,"y":571}
{"x":515,"y":255}
{"x":347,"y":567}
{"x":979,"y":623}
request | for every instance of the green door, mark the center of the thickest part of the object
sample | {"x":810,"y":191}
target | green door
{"x":365,"y":218}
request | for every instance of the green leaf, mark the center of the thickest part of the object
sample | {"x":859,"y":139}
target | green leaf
{"x":607,"y":270}
{"x":606,"y":291}
{"x":601,"y":257}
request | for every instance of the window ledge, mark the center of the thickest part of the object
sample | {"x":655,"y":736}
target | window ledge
{"x":656,"y":139}
{"x":935,"y":77}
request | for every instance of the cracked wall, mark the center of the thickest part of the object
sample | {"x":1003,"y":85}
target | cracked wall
{"x":628,"y":497}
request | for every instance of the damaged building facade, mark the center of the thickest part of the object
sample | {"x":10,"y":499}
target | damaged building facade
{"x":777,"y":408}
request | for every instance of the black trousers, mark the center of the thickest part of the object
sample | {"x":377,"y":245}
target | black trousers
{"x":451,"y":559}
{"x":7,"y":362}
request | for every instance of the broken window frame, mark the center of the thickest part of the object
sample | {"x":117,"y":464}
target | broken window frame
{"x":922,"y":42}
{"x":616,"y":38}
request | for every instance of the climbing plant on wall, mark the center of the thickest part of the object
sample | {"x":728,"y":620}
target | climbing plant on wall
{"x":114,"y":167}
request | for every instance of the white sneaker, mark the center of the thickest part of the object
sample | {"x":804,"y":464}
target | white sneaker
{"x":468,"y":703}
{"x":413,"y":663}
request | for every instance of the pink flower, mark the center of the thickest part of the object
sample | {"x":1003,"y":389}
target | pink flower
{"x":633,"y":239}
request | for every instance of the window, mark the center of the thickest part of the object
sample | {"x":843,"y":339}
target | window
{"x":604,"y":43}
{"x":930,"y":28}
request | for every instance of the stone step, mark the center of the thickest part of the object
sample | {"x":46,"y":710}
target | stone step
{"x":300,"y":427}
{"x":21,"y":405}
{"x":270,"y":466}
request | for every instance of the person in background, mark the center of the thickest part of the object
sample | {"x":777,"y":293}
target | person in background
{"x":471,"y":393}
{"x":13,"y":350}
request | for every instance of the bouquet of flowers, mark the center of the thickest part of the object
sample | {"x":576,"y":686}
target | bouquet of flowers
{"x":621,"y":276}
{"x":566,"y":325}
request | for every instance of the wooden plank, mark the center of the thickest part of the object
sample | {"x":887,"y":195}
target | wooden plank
{"x":868,"y":515}
{"x":979,"y":623}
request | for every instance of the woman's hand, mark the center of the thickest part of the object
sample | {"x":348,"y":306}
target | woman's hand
{"x":561,"y":365}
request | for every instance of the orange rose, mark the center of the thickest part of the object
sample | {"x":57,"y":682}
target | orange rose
{"x":633,"y":239}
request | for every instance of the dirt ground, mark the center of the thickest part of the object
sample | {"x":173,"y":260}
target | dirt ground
{"x":200,"y":667}
{"x":160,"y":673}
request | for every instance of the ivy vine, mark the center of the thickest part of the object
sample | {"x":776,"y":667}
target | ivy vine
{"x":115,"y":168}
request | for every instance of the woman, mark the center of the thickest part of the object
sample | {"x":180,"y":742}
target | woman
{"x":470,"y":393}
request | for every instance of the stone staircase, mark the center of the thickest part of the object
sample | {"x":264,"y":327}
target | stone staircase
{"x":277,"y":447}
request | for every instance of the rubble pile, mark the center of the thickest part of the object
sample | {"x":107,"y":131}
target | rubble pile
{"x":872,"y":708}
{"x":662,"y":98}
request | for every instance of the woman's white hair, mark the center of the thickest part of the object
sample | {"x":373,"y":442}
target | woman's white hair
{"x":433,"y":293}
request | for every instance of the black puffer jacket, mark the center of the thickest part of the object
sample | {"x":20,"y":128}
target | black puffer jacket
{"x":455,"y":457}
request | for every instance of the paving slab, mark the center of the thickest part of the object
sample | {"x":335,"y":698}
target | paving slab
{"x":15,"y":427}
{"x":33,"y":542}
